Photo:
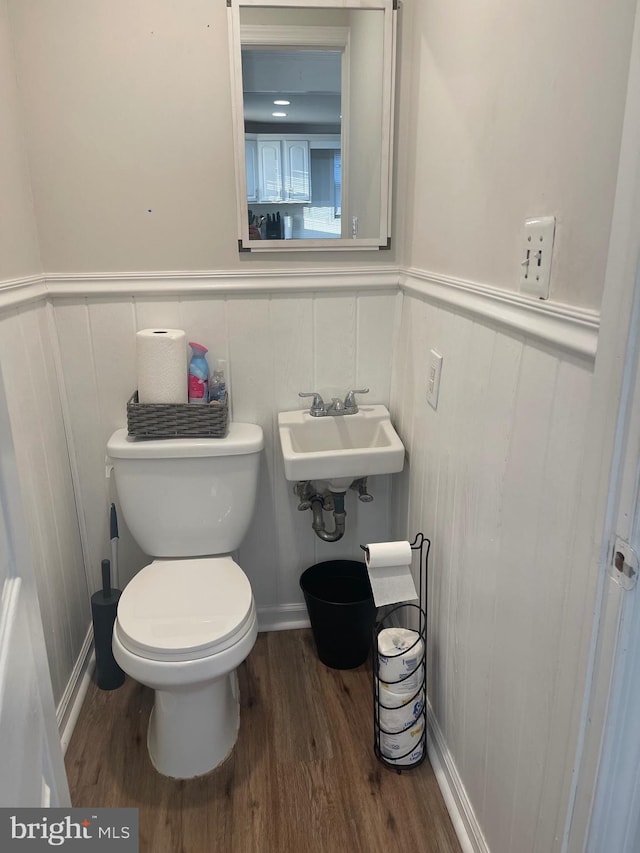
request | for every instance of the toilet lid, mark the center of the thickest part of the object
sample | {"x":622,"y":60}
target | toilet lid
{"x":184,"y":609}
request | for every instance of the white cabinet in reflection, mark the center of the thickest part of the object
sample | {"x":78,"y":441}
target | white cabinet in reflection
{"x":251,"y":159}
{"x":279,"y":168}
{"x":270,"y":170}
{"x":296,"y":173}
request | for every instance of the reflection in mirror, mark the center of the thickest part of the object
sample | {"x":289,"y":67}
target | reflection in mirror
{"x":293,"y":148}
{"x":312,"y":92}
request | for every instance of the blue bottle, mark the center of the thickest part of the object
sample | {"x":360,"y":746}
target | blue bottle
{"x":198,"y":374}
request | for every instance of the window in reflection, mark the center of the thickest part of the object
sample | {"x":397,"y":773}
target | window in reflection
{"x":322,"y":217}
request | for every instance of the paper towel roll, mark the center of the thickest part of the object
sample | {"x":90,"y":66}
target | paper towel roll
{"x":161,"y":357}
{"x":389,"y":573}
{"x":400,"y":652}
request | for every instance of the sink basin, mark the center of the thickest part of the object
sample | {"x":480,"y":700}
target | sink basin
{"x":339,"y":449}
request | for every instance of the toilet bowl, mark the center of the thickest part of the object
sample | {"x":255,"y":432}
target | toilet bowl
{"x":183,"y":626}
{"x":185,"y":623}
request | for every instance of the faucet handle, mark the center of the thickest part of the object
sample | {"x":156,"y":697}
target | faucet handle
{"x":317,"y":405}
{"x":350,"y":399}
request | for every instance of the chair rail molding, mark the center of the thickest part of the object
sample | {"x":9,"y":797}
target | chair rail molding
{"x":221,"y":282}
{"x":563,"y":327}
{"x":20,"y":291}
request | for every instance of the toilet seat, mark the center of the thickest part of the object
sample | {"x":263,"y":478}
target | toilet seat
{"x":182,"y":610}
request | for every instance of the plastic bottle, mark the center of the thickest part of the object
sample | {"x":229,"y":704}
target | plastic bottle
{"x":218,"y":386}
{"x":198,"y":374}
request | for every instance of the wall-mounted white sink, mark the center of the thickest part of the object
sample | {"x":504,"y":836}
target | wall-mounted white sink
{"x":339,"y":449}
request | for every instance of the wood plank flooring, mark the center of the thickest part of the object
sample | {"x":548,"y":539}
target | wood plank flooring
{"x":302,"y":778}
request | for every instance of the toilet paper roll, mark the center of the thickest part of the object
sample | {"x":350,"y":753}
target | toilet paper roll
{"x":395,"y":695}
{"x":400,"y":653}
{"x":398,"y":719}
{"x":413,"y":757}
{"x":395,"y":745}
{"x":161,"y":361}
{"x":381,"y":554}
{"x":388,"y":565}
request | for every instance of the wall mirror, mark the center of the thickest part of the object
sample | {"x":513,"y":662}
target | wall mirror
{"x":313,"y":115}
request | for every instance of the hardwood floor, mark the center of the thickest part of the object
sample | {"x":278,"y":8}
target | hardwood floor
{"x":302,"y":777}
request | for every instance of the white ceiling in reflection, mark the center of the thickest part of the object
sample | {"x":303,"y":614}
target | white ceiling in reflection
{"x":309,"y":79}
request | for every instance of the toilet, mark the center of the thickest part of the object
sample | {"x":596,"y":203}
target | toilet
{"x":187,"y":620}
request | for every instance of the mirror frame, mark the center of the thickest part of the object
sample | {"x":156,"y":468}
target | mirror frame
{"x":383,"y":239}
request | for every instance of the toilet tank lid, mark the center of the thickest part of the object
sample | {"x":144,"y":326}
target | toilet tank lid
{"x":241,"y":438}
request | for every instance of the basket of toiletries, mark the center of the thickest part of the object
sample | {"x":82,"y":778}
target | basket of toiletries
{"x":178,"y":420}
{"x":177,"y":396}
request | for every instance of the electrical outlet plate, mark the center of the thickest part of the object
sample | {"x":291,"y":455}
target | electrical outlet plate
{"x":433,"y":378}
{"x":535,"y":263}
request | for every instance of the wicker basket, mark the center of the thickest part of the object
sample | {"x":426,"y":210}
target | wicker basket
{"x":177,"y":420}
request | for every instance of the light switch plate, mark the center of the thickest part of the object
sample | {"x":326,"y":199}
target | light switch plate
{"x":433,"y":378}
{"x":535,"y":262}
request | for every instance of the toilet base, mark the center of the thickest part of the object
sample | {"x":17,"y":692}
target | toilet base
{"x":193,"y":731}
{"x":196,"y":714}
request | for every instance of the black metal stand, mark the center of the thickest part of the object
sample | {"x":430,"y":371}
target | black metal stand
{"x":387,"y":743}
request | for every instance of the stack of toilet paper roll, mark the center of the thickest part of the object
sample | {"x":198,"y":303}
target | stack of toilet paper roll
{"x":161,"y":363}
{"x":401,"y":695}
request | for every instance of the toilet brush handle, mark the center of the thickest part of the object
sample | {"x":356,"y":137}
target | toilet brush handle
{"x":113,"y":528}
{"x":106,"y":578}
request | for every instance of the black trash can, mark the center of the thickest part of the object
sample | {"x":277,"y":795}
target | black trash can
{"x":341,"y":609}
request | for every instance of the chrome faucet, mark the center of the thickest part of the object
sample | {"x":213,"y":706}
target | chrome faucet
{"x":336,"y":407}
{"x":318,"y":409}
{"x":350,"y":405}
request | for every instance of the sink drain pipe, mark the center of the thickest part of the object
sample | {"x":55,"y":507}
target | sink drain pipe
{"x":339,"y":516}
{"x":328,"y":501}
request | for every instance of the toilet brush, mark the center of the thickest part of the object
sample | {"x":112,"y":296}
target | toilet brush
{"x":104,"y":606}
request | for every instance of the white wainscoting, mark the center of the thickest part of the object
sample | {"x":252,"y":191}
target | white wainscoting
{"x":493,"y":478}
{"x":26,"y":360}
{"x":281,"y":334}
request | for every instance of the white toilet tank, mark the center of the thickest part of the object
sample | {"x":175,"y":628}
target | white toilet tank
{"x":187,"y":497}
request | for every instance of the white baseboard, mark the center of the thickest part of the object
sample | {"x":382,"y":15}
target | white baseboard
{"x":458,"y":805}
{"x":283,"y":617}
{"x":69,"y":706}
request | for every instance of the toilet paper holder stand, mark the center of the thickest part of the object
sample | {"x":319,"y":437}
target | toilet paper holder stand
{"x":417,"y":698}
